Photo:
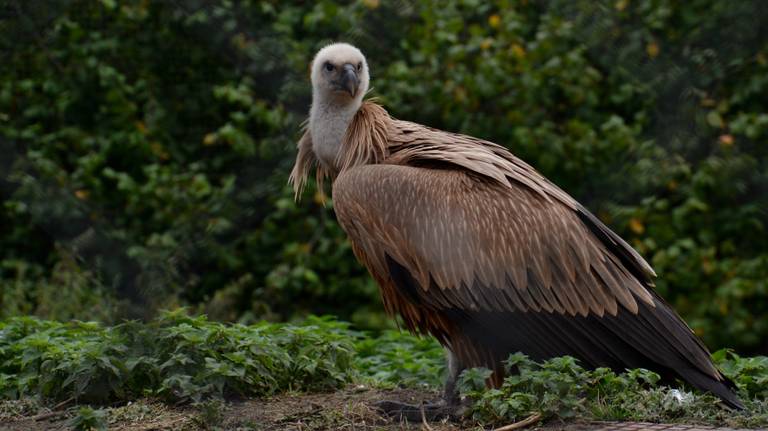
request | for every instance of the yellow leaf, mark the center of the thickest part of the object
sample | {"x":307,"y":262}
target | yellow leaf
{"x":723,"y":308}
{"x":371,"y":4}
{"x":319,"y":198}
{"x":636,"y":226}
{"x":518,"y":51}
{"x":652,"y":49}
{"x":486,"y":44}
{"x":494,"y":21}
{"x":621,"y":5}
{"x":82,"y":194}
{"x":209,"y":139}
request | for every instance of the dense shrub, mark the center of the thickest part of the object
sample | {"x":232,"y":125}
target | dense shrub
{"x":146,"y":144}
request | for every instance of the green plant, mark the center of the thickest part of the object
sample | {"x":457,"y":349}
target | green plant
{"x":560,"y":388}
{"x":88,"y":419}
{"x":210,"y":413}
{"x":183,"y":358}
{"x":749,"y":374}
{"x":397,"y":358}
{"x":175,"y":357}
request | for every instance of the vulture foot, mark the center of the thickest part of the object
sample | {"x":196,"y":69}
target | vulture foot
{"x":414,"y":413}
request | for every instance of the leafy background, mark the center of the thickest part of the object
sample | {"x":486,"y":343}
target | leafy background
{"x":145,"y":145}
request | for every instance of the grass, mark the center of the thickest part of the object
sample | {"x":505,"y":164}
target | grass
{"x":182,"y":359}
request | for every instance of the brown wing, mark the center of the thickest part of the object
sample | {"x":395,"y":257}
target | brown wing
{"x":492,"y":268}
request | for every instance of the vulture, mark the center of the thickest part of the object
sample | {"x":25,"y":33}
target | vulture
{"x":471,"y":245}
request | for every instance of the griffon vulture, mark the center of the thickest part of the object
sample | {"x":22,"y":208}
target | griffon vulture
{"x":470,"y":244}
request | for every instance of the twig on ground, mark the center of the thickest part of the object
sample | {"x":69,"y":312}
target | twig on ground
{"x":54,"y":411}
{"x":424,"y":423}
{"x":532,"y":419}
{"x":63,"y":403}
{"x":44,"y":416}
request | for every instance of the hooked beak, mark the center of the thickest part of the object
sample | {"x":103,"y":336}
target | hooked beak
{"x":349,"y":81}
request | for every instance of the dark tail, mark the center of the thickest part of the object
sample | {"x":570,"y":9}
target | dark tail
{"x":721,"y":389}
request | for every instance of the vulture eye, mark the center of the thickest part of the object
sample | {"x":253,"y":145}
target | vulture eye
{"x":359,"y":66}
{"x":329,"y":67}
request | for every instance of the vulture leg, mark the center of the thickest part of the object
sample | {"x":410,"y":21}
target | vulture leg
{"x":450,"y":392}
{"x":449,"y":406}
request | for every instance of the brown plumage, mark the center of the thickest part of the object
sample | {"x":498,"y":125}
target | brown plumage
{"x":471,"y":245}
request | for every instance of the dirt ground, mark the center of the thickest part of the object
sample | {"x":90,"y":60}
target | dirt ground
{"x":349,"y":410}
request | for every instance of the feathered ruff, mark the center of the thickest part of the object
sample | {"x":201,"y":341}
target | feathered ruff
{"x":365,"y":142}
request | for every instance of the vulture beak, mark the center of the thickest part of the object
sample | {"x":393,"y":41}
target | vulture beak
{"x":349,"y":81}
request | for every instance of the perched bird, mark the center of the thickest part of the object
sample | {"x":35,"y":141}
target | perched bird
{"x":470,"y":244}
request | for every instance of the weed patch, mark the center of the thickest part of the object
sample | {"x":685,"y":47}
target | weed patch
{"x":178,"y":358}
{"x":396,"y":358}
{"x":561,"y":389}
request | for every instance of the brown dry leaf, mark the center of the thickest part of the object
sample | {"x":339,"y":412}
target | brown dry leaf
{"x":726,"y":140}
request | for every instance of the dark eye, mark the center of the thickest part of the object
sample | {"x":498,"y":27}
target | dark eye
{"x":359,"y":66}
{"x":329,"y":67}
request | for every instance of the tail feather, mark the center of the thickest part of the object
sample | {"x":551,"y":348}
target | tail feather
{"x":721,"y":389}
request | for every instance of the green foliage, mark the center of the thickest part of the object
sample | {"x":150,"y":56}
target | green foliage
{"x":175,"y":357}
{"x":69,"y":291}
{"x":210,"y":413}
{"x":560,"y":388}
{"x":160,"y":165}
{"x":397,"y":358}
{"x":88,"y":419}
{"x":750,"y":374}
{"x":180,"y":358}
{"x":145,"y":145}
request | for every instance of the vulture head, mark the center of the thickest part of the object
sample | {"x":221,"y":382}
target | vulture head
{"x":340,"y":75}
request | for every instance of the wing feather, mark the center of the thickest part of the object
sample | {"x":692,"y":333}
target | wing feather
{"x":466,"y":234}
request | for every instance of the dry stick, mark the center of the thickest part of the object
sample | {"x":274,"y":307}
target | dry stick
{"x":53,"y":413}
{"x":424,"y":423}
{"x":45,"y":416}
{"x":522,"y":424}
{"x":63,"y":403}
